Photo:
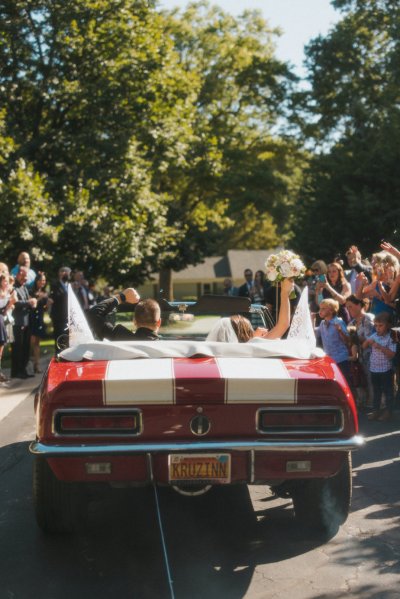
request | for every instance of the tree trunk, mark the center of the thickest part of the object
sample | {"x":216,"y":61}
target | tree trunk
{"x":165,"y":284}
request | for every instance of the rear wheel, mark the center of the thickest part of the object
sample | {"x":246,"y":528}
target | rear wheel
{"x":59,"y":506}
{"x":324,"y":504}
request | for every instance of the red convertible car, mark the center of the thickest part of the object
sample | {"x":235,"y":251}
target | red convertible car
{"x":192,"y":414}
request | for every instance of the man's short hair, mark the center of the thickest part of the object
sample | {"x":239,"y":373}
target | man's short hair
{"x":147,"y":312}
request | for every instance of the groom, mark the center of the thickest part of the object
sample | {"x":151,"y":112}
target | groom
{"x":147,"y":318}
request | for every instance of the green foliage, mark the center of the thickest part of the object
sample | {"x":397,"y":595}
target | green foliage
{"x":7,"y":145}
{"x":135,"y":141}
{"x":26,"y":208}
{"x":352,"y":187}
{"x":26,"y":212}
{"x":238,"y":167}
{"x":88,"y":92}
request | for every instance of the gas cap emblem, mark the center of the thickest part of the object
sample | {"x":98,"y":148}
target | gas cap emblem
{"x":200,"y":425}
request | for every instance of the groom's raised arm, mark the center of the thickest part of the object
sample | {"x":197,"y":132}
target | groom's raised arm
{"x":97,"y":316}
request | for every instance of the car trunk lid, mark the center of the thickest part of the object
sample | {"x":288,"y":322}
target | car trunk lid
{"x":199,"y":380}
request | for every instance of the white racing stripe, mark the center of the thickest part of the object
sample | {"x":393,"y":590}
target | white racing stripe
{"x":257,"y":381}
{"x":148,"y":381}
{"x":152,"y":381}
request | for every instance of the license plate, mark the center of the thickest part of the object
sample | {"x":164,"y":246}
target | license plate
{"x":212,"y":468}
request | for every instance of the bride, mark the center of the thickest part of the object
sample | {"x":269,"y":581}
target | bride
{"x":237,"y":329}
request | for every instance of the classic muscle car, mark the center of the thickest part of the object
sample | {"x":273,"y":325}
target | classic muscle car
{"x":193,"y":414}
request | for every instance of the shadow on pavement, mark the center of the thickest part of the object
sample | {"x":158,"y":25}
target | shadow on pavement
{"x":376,"y":493}
{"x":219,"y":542}
{"x":214,"y":542}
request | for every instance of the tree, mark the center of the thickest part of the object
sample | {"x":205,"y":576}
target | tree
{"x":25,"y":207}
{"x":352,"y":187}
{"x":154,"y":134}
{"x":237,"y":168}
{"x":82,"y":82}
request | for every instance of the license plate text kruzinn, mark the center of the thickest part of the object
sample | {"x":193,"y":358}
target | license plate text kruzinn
{"x":212,"y":468}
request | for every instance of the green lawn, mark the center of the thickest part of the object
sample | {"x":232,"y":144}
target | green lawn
{"x":46,"y":348}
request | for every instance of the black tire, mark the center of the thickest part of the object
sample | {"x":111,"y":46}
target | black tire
{"x":323,"y":504}
{"x":59,"y":506}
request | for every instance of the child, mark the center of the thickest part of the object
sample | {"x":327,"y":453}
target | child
{"x":333,"y":334}
{"x":356,"y":368}
{"x":383,"y":350}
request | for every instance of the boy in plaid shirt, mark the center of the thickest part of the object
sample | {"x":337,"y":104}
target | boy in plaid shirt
{"x":383,"y":350}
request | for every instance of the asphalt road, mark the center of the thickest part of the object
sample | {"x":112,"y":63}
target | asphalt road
{"x":235,"y":543}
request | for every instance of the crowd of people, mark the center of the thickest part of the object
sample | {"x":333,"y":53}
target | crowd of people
{"x":354,"y":303}
{"x":355,"y":308}
{"x":24,"y":301}
{"x":356,"y":311}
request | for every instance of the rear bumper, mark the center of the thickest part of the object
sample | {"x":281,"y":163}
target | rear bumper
{"x":308,"y":446}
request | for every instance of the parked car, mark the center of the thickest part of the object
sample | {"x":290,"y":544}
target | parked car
{"x":190,"y":414}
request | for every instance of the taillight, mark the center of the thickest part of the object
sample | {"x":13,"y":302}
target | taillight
{"x":98,"y":422}
{"x":300,"y":420}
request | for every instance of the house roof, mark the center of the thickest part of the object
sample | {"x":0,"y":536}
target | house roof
{"x":232,"y":265}
{"x":212,"y":268}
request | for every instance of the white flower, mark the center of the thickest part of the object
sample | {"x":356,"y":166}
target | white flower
{"x":286,"y":270}
{"x":272,"y":274}
{"x":284,"y":265}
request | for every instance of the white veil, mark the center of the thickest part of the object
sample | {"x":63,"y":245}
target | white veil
{"x":301,"y":326}
{"x":79,"y":331}
{"x":223,"y":331}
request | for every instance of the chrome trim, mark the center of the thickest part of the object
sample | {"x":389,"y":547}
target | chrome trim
{"x":310,"y":445}
{"x":102,"y":412}
{"x":203,"y":418}
{"x":201,"y":491}
{"x":297,"y":409}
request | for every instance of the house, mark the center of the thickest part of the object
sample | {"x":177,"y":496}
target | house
{"x":208,"y":277}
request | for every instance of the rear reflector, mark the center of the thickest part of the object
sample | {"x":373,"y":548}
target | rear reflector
{"x":98,"y":422}
{"x":300,"y":420}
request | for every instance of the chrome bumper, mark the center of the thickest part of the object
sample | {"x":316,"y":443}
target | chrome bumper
{"x":307,"y":446}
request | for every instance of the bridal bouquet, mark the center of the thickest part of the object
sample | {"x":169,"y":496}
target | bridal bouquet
{"x":285,"y":265}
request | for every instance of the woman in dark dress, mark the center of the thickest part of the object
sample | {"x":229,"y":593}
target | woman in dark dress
{"x":260,"y":288}
{"x":38,"y":326}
